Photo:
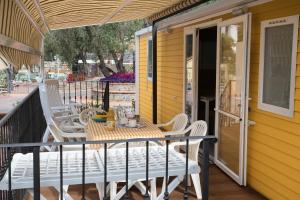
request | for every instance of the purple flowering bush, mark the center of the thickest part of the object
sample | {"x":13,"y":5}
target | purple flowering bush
{"x":120,"y":78}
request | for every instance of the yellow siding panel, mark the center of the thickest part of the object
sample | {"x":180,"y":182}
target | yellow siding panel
{"x":274,"y":142}
{"x":145,"y":89}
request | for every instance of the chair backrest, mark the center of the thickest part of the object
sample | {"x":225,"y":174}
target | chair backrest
{"x":44,"y":103}
{"x":198,"y":128}
{"x":86,"y":115}
{"x":52,"y":91}
{"x":179,"y":122}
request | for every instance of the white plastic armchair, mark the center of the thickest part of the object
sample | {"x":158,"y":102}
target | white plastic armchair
{"x":65,"y":122}
{"x":178,"y":123}
{"x":198,"y":128}
{"x":59,"y":135}
{"x":55,"y":102}
{"x":87,"y":114}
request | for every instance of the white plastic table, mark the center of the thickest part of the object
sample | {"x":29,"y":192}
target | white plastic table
{"x":22,"y":167}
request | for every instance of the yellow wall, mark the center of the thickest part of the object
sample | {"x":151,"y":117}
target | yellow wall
{"x":274,"y":142}
{"x":145,"y":85}
{"x":169,"y":74}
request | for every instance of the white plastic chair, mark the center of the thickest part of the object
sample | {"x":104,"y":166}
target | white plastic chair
{"x":87,"y":114}
{"x":63,"y":121}
{"x":198,"y":128}
{"x":178,"y":123}
{"x":55,"y":101}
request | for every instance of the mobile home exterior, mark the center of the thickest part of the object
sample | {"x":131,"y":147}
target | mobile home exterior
{"x":257,"y":49}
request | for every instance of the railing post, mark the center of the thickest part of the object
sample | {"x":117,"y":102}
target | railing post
{"x":83,"y":172}
{"x":127,"y":172}
{"x":186,"y":192}
{"x":166,"y":194}
{"x":10,"y":197}
{"x":75,"y":90}
{"x":146,"y":196}
{"x":61,"y":172}
{"x":105,"y":171}
{"x":205,"y":168}
{"x":97,"y":93}
{"x":36,"y":172}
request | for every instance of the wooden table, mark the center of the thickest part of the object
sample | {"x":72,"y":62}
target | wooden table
{"x":98,"y":131}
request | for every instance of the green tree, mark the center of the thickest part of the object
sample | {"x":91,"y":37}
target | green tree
{"x":103,"y":41}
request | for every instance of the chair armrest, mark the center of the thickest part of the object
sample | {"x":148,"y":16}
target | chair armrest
{"x":74,"y":104}
{"x":75,"y":126}
{"x":74,"y":147}
{"x":60,"y":107}
{"x":191,"y":142}
{"x":66,"y":117}
{"x":165,"y":124}
{"x":172,"y":133}
{"x":73,"y":135}
{"x":62,"y":112}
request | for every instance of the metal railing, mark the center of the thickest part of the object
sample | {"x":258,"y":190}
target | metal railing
{"x":92,"y":93}
{"x":206,"y":140}
{"x":25,"y":123}
{"x":88,"y":92}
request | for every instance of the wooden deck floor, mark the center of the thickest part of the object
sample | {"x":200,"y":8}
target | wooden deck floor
{"x":221,"y":188}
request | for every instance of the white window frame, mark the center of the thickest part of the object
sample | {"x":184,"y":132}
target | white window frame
{"x":149,"y":78}
{"x":272,"y":23}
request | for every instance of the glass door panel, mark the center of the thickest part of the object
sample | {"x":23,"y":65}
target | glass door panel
{"x":231,"y":72}
{"x":189,"y":62}
{"x":231,"y":97}
{"x":229,"y":137}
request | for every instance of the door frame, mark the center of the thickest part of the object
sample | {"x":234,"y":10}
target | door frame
{"x":188,"y":31}
{"x":242,"y":177}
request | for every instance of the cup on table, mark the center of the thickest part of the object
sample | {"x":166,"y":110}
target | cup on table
{"x":132,"y":123}
{"x":123,"y":121}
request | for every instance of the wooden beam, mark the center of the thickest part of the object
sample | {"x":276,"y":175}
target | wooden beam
{"x":11,"y":43}
{"x":28,"y":15}
{"x":109,"y":17}
{"x":41,"y":13}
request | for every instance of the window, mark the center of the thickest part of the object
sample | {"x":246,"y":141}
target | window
{"x":278,"y":51}
{"x":150,"y":59}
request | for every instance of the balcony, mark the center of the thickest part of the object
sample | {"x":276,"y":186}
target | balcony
{"x":85,"y":171}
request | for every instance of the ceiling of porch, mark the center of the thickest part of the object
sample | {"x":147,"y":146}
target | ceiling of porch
{"x":59,"y":14}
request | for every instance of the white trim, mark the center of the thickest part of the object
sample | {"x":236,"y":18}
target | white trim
{"x":28,"y":15}
{"x":271,"y":23}
{"x":207,"y":11}
{"x":144,"y":31}
{"x":247,"y":99}
{"x":137,"y":75}
{"x":148,"y":39}
{"x":193,"y":30}
{"x":186,"y":33}
{"x":204,"y":25}
{"x":240,"y":177}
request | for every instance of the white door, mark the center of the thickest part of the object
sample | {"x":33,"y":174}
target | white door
{"x":232,"y":97}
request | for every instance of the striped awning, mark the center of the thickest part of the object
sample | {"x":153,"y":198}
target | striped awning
{"x":61,"y":14}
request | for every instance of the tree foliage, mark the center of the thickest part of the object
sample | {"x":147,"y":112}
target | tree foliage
{"x":109,"y":40}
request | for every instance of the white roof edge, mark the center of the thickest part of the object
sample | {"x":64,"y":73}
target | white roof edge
{"x":144,"y":31}
{"x":206,"y":10}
